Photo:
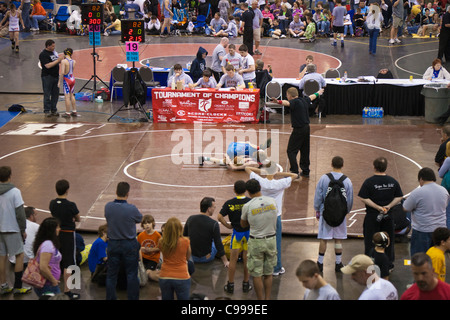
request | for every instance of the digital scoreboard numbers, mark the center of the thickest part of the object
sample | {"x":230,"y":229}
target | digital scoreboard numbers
{"x":92,"y":14}
{"x":132,"y":30}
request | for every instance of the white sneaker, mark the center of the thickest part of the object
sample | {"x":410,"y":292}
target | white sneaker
{"x":397,"y":40}
{"x":106,"y":34}
{"x":283,"y":36}
{"x":391,"y":41}
{"x":281,"y":271}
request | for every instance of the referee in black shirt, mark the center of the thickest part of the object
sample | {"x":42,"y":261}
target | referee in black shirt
{"x":300,"y":136}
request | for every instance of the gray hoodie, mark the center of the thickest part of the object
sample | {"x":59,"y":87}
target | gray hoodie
{"x":19,"y":211}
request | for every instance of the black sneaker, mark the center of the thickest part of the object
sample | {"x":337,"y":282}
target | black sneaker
{"x":320,"y":265}
{"x":72,"y":296}
{"x":246,"y":287}
{"x":54,"y":114}
{"x":229,"y":287}
{"x":338,"y":267}
{"x":304,"y":175}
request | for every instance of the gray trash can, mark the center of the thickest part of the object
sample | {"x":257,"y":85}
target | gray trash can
{"x":436,"y":100}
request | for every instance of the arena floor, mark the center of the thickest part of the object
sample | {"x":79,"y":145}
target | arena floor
{"x":95,"y":154}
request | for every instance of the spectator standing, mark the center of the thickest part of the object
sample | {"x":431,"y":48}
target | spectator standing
{"x":67,"y":213}
{"x":257,"y":24}
{"x":363,"y":272}
{"x":317,"y":288}
{"x":217,"y":56}
{"x":31,"y":230}
{"x":247,"y":28}
{"x":427,"y":205}
{"x":12,"y":231}
{"x":397,"y":20}
{"x":260,"y":214}
{"x":273,"y":185}
{"x":326,"y":232}
{"x":50,"y":61}
{"x":379,"y":193}
{"x":239,"y":237}
{"x":441,"y":244}
{"x":46,"y":251}
{"x":123,"y":247}
{"x":426,"y":284}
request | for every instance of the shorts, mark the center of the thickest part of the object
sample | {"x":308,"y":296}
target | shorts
{"x":13,"y":29}
{"x":239,"y":240}
{"x":397,"y":22}
{"x":338,"y":29}
{"x":262,"y":256}
{"x":149,"y":264}
{"x":11,"y":243}
{"x":257,"y":34}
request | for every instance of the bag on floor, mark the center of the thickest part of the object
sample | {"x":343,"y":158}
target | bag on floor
{"x":335,"y":204}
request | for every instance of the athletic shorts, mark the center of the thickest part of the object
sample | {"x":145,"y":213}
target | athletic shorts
{"x":338,"y":29}
{"x":262,"y":256}
{"x":239,"y":240}
{"x":12,"y":29}
{"x":11,"y":243}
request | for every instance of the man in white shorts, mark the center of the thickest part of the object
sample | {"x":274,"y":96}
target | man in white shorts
{"x":326,"y":232}
{"x":12,"y":232}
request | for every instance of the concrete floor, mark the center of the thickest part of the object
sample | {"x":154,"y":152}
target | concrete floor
{"x":209,"y":279}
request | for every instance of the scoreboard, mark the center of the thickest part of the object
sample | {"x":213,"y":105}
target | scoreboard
{"x":92,"y":14}
{"x":132,"y":30}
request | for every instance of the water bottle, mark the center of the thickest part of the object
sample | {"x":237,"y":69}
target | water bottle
{"x":250,"y":86}
{"x":345,"y":76}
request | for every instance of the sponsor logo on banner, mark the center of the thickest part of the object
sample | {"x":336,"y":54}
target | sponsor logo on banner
{"x":204,"y":104}
{"x":244,"y":105}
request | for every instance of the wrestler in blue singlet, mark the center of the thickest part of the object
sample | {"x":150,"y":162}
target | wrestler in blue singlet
{"x":240,"y":149}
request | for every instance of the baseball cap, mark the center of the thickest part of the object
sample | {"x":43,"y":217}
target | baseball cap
{"x":359,"y":262}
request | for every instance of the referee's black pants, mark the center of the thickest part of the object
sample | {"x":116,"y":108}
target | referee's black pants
{"x":299,"y":141}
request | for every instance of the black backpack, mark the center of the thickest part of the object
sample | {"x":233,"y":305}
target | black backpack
{"x":335,"y":204}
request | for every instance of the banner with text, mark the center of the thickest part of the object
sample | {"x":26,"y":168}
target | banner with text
{"x":205,"y":105}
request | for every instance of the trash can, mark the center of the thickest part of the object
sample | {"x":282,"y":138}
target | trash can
{"x":436,"y":100}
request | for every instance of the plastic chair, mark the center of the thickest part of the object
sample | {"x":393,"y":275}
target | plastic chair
{"x":273,"y":90}
{"x":147,"y":76}
{"x":62,"y":14}
{"x":311,"y":86}
{"x":332,"y":73}
{"x":201,"y":19}
{"x":118,"y":75}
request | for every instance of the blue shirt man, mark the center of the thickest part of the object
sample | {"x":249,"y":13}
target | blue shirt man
{"x":123,"y":248}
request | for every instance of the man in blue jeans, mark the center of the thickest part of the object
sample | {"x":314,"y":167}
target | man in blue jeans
{"x":123,"y":247}
{"x":50,"y":61}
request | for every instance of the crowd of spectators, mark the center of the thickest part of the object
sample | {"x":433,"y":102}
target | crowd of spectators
{"x":277,"y":19}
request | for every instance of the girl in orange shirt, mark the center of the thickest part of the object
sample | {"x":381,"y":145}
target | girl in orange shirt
{"x":176,"y":251}
{"x":38,"y":14}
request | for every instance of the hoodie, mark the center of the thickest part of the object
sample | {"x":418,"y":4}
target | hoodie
{"x":12,"y":212}
{"x":198,"y":65}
